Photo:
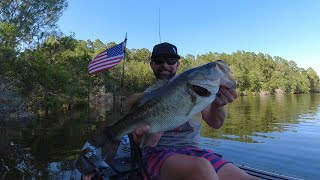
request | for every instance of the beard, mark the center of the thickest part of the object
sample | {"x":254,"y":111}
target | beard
{"x":164,"y":73}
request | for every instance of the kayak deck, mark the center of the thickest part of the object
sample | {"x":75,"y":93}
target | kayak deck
{"x":262,"y":174}
{"x":121,"y":166}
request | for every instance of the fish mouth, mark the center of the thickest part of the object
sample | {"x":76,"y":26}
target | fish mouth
{"x":201,"y":91}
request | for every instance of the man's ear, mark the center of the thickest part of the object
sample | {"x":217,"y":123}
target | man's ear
{"x":152,"y":65}
{"x":178,"y":64}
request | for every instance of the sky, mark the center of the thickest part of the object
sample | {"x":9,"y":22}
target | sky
{"x":289,"y":29}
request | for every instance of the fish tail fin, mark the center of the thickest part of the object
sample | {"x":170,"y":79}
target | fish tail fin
{"x":110,"y":146}
{"x":107,"y":141}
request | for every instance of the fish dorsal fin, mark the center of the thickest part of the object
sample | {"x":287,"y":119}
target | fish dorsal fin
{"x":157,"y":85}
{"x":132,"y":100}
{"x":147,"y":97}
{"x":144,"y":103}
{"x":139,"y":99}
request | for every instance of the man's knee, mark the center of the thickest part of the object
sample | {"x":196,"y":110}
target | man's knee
{"x":201,"y":168}
{"x":188,"y":167}
{"x":201,"y":165}
{"x":230,"y":171}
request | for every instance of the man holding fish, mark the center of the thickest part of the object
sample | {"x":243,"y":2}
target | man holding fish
{"x":177,"y":153}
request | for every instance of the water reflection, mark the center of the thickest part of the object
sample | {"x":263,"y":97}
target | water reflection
{"x":46,"y":147}
{"x":249,"y":117}
{"x":26,"y":149}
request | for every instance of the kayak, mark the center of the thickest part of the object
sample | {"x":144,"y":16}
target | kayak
{"x":123,"y":168}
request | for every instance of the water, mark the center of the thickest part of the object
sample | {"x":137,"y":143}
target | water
{"x":278,"y":134}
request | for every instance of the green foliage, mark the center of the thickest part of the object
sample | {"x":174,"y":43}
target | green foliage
{"x":314,"y":82}
{"x":54,"y":73}
{"x":32,"y":19}
{"x":140,"y":55}
{"x":8,"y":35}
{"x":138,"y":76}
{"x":23,"y":24}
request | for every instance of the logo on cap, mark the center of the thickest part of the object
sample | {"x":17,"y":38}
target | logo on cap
{"x":174,"y":50}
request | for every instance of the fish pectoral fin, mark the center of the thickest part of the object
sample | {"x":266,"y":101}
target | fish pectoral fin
{"x":150,"y":139}
{"x":196,"y":120}
{"x":193,"y":103}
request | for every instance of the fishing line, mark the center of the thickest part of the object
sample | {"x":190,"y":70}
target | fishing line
{"x":159,"y":27}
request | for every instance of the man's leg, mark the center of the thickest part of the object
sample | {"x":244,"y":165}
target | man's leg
{"x":180,"y":166}
{"x":230,"y":171}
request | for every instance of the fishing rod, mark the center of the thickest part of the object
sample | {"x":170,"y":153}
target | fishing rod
{"x":159,"y":27}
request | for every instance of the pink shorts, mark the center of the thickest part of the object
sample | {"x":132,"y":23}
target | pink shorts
{"x":153,"y":158}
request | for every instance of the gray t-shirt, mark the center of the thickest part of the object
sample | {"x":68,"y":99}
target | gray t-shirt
{"x":183,"y":136}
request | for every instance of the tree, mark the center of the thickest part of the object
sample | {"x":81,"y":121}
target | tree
{"x":140,"y":55}
{"x":33,"y":20}
{"x":314,"y":81}
{"x":23,"y":23}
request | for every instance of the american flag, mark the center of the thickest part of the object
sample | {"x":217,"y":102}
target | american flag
{"x":107,"y":59}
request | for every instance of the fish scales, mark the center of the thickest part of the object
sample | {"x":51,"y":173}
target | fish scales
{"x":161,"y":114}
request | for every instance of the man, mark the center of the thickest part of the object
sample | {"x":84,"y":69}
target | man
{"x":177,"y":154}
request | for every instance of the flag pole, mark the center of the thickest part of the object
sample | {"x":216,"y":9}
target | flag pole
{"x":122,"y":78}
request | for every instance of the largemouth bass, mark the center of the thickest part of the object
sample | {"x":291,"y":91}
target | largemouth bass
{"x":170,"y":106}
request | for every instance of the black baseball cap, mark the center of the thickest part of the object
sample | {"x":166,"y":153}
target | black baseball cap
{"x":165,"y":50}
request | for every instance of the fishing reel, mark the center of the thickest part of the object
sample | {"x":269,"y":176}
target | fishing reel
{"x":90,"y":165}
{"x":123,"y":167}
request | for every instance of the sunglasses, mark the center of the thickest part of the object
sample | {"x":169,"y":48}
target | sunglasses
{"x":169,"y":61}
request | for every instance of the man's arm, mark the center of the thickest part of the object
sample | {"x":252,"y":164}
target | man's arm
{"x":215,"y":114}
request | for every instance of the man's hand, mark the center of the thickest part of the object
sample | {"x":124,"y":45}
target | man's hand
{"x":224,"y":96}
{"x":152,"y":141}
{"x":215,"y":114}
